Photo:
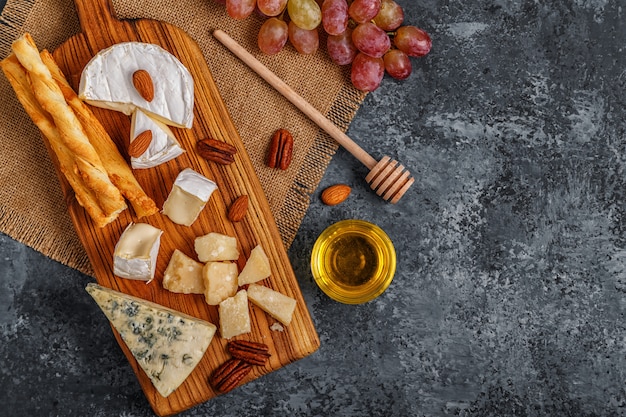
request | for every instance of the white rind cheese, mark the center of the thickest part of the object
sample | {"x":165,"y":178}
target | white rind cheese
{"x":107,"y":82}
{"x":167,"y":344}
{"x":136,"y":252}
{"x":163,"y":147}
{"x":188,"y":196}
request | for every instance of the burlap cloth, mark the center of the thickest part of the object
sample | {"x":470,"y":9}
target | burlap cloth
{"x":32,"y":209}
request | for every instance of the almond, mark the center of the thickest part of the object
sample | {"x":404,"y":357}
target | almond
{"x":238,"y":209}
{"x":143,"y":84}
{"x":335,"y":194}
{"x":140,"y":144}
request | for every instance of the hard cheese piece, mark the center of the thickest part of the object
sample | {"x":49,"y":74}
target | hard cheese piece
{"x":220,"y":281}
{"x":188,"y":196}
{"x":234,"y":315}
{"x":276,"y":304}
{"x":163,"y":147}
{"x":107,"y":81}
{"x":183,"y":275}
{"x":216,"y":247}
{"x":136,"y":252}
{"x":257,"y":267}
{"x":167,"y":344}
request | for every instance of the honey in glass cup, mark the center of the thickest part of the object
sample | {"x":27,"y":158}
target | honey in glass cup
{"x":353,"y":261}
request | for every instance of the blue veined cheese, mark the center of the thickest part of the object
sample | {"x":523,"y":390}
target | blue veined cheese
{"x":136,"y":252}
{"x":188,"y":196}
{"x":163,"y":146}
{"x":167,"y":344}
{"x":107,"y":82}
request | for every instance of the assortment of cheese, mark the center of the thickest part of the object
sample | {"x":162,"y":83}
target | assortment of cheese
{"x":167,"y":344}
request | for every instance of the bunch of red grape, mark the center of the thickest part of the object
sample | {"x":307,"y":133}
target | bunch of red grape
{"x":366,"y":34}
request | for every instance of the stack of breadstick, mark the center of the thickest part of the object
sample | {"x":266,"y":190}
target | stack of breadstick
{"x":87,"y":156}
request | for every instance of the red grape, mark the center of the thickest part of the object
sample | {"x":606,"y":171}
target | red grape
{"x":340,"y":48}
{"x":305,"y":41}
{"x":371,"y":40}
{"x":240,"y":9}
{"x":397,"y":64}
{"x":364,"y":10}
{"x":271,"y":7}
{"x":272,"y":36}
{"x":335,"y":16}
{"x":390,"y":16}
{"x":367,"y":72}
{"x":412,"y":41}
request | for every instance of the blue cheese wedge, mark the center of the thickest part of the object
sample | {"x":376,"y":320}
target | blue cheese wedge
{"x":167,"y":344}
{"x":188,"y":196}
{"x":107,"y":81}
{"x":163,"y":147}
{"x":136,"y":252}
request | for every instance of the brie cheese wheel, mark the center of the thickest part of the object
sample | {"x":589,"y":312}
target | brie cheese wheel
{"x":163,"y":147}
{"x":107,"y":82}
{"x":167,"y":344}
{"x":188,"y":196}
{"x":136,"y":252}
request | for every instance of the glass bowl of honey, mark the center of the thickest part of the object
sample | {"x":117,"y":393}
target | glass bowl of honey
{"x":353,"y":261}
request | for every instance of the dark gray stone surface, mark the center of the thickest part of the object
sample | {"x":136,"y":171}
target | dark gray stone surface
{"x":510,"y":293}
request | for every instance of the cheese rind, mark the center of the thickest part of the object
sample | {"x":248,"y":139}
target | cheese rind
{"x":167,"y":344}
{"x":274,"y":303}
{"x":107,"y":82}
{"x":136,"y":252}
{"x":216,"y":247}
{"x":220,"y":281}
{"x":234,"y":315}
{"x":188,"y":196}
{"x":183,"y":275}
{"x":257,"y":267}
{"x":163,"y":147}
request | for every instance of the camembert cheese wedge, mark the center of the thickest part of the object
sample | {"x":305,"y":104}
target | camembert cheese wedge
{"x":136,"y":252}
{"x":167,"y":344}
{"x":163,"y":146}
{"x":188,"y":196}
{"x":107,"y":82}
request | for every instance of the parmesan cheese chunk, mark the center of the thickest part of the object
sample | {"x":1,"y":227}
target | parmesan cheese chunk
{"x":274,"y":303}
{"x":257,"y":267}
{"x":183,"y":275}
{"x":234,"y":315}
{"x":216,"y":247}
{"x":220,"y":281}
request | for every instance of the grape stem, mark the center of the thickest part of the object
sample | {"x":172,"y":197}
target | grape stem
{"x":297,"y":100}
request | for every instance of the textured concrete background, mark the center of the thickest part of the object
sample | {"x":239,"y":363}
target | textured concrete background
{"x":510,"y":293}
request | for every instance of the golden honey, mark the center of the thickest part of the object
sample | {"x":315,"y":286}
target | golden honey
{"x":353,"y":261}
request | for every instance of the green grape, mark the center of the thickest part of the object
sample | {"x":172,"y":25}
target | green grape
{"x":306,"y":14}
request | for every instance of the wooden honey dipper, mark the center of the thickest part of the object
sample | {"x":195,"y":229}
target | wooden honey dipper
{"x":387,"y":178}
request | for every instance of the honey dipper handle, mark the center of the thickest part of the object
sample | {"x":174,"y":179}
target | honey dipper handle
{"x":297,"y":100}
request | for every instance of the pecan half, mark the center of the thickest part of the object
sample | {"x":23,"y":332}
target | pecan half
{"x":216,"y":151}
{"x":229,"y":375}
{"x":254,"y":353}
{"x":280,"y":150}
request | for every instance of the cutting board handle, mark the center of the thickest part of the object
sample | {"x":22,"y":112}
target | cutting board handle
{"x":95,"y":14}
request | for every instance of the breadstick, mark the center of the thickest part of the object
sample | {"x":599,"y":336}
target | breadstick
{"x":114,"y":163}
{"x":18,"y":78}
{"x":51,"y":99}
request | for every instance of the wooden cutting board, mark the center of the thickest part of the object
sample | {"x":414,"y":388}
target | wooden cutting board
{"x":101,"y":29}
